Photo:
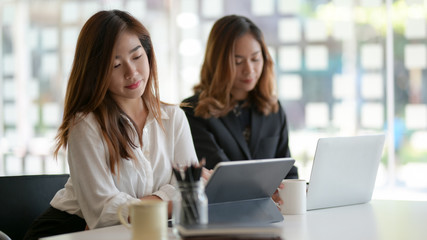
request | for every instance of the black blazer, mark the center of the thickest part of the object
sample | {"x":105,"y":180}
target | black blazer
{"x":220,"y":139}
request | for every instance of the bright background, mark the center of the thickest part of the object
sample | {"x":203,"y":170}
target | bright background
{"x":344,"y":67}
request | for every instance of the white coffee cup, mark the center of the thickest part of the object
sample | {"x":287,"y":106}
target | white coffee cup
{"x":149,"y":219}
{"x":293,"y":196}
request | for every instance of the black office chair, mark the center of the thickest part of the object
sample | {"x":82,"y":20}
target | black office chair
{"x":24,"y":198}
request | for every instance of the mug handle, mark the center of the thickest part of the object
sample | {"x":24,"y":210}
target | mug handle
{"x":122,"y":220}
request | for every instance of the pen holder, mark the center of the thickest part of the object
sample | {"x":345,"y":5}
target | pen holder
{"x":192,"y":207}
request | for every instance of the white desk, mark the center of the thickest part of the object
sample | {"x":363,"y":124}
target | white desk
{"x":379,"y":219}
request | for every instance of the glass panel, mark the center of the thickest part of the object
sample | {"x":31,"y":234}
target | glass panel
{"x":69,"y":38}
{"x":416,"y":116}
{"x":187,"y":20}
{"x":49,"y":38}
{"x":190,"y":47}
{"x":137,"y":8}
{"x":415,"y":56}
{"x":13,"y":165}
{"x":89,"y":8}
{"x":68,"y":13}
{"x":189,"y":6}
{"x":343,"y":86}
{"x":33,"y":165}
{"x":289,"y":30}
{"x":8,"y":12}
{"x":8,"y":64}
{"x":370,"y":3}
{"x":49,"y":64}
{"x":372,"y":115}
{"x":344,"y":116}
{"x":372,"y":56}
{"x":331,"y":63}
{"x":316,"y":58}
{"x":109,"y":5}
{"x":51,"y":114}
{"x":262,"y":7}
{"x":415,"y":28}
{"x":290,"y":87}
{"x":343,"y":30}
{"x":315,"y":30}
{"x":34,"y":115}
{"x":10,"y":114}
{"x":212,"y":9}
{"x":372,"y":86}
{"x":286,"y":6}
{"x":8,"y":90}
{"x":316,"y":115}
{"x":290,"y":58}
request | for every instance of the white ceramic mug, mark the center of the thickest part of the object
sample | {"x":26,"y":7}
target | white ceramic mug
{"x":293,"y":196}
{"x":149,"y":219}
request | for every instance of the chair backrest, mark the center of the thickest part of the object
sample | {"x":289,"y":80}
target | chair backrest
{"x":24,"y":198}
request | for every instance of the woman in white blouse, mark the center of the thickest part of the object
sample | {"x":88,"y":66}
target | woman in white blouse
{"x":121,"y":140}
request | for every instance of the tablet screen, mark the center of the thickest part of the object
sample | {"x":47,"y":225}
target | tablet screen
{"x":248,"y":179}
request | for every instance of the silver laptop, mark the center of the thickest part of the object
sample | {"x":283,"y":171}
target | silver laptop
{"x":344,"y":171}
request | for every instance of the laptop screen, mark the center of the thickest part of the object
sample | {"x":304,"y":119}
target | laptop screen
{"x":344,"y":170}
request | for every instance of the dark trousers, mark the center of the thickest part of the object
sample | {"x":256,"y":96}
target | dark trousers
{"x":54,"y":222}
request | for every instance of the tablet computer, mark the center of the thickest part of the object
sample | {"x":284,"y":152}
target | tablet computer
{"x":231,"y":231}
{"x":240,"y":191}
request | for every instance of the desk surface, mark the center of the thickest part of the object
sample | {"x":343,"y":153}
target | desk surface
{"x":379,"y":219}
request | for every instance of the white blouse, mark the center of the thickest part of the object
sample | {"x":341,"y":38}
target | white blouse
{"x":94,"y":193}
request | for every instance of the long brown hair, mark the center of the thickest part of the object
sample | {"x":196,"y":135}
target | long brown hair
{"x":87,"y":89}
{"x":218,"y":69}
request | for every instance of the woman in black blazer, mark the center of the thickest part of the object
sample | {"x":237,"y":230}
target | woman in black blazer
{"x":234,"y":114}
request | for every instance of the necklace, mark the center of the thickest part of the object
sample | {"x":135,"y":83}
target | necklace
{"x":237,"y":110}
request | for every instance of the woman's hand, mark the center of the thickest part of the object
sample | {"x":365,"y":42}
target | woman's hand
{"x":206,"y":174}
{"x":276,"y":197}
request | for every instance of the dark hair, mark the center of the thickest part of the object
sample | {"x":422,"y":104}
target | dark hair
{"x":217,"y":74}
{"x":87,"y":89}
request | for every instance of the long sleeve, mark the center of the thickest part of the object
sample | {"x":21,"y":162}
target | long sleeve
{"x":221,"y":139}
{"x":93,"y":183}
{"x":94,"y":193}
{"x":181,"y":148}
